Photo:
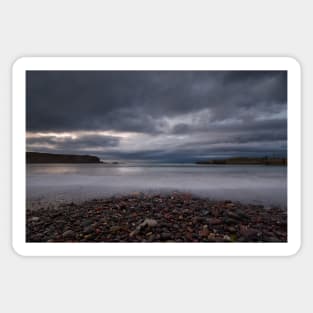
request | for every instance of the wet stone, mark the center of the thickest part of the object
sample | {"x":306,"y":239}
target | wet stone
{"x":34,"y":219}
{"x":68,"y":234}
{"x":88,"y":229}
{"x":214,"y":221}
{"x":174,"y":217}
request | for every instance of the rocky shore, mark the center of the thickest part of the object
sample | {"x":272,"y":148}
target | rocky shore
{"x":175,"y":217}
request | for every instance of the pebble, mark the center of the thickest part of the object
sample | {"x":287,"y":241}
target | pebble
{"x":165,"y":236}
{"x":68,"y":234}
{"x":205,"y":231}
{"x":115,"y":228}
{"x":214,"y":221}
{"x":176,"y":217}
{"x":88,"y":229}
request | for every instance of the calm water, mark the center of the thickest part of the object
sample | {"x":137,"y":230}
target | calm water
{"x":63,"y":182}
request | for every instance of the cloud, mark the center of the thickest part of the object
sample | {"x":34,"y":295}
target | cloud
{"x":164,"y":111}
{"x":68,"y":143}
{"x":129,"y":101}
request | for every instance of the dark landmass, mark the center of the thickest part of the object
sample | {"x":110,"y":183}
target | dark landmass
{"x":36,"y":157}
{"x":114,"y":163}
{"x":175,"y":217}
{"x":247,"y":161}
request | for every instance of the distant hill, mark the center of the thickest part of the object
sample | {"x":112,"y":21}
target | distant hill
{"x":247,"y":161}
{"x":36,"y":157}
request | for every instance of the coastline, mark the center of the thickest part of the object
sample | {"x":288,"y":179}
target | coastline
{"x":142,"y":217}
{"x":268,"y":161}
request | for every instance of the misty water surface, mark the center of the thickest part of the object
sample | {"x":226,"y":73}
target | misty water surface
{"x":63,"y":182}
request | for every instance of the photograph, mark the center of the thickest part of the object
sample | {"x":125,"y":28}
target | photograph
{"x":156,"y":156}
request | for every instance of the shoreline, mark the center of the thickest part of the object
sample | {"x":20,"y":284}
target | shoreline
{"x":268,"y":161}
{"x":141,"y":217}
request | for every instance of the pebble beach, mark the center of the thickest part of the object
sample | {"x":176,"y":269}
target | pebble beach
{"x":140,"y":217}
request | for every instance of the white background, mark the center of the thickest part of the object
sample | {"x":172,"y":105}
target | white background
{"x":162,"y":28}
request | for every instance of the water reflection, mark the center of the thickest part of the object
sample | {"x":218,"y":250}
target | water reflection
{"x":37,"y":169}
{"x":129,"y":170}
{"x":244,"y":183}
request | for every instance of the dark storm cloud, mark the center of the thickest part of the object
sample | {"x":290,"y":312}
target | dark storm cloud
{"x":278,"y":125}
{"x":134,"y":101}
{"x":194,"y":153}
{"x":243,"y":108}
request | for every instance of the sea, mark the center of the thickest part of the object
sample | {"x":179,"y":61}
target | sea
{"x":57,"y":183}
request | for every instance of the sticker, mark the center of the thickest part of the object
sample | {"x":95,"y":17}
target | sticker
{"x":156,"y":156}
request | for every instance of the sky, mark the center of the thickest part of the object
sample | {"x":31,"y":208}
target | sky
{"x":157,"y":116}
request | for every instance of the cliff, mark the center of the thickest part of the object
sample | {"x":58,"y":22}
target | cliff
{"x":36,"y":157}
